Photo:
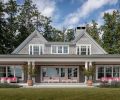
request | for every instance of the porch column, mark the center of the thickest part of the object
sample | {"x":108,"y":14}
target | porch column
{"x":6,"y":69}
{"x":86,"y":67}
{"x":33,"y":69}
{"x":28,"y":70}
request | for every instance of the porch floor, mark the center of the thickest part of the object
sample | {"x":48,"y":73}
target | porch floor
{"x":58,"y":85}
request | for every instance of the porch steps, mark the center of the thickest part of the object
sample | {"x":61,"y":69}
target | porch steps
{"x":58,"y":85}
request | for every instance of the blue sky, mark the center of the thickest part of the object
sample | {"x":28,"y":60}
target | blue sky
{"x":72,"y":13}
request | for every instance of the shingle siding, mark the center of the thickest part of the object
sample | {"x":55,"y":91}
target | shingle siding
{"x":38,"y":39}
{"x":94,"y":48}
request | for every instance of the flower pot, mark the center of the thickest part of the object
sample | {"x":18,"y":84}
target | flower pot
{"x":30,"y":82}
{"x":89,"y":82}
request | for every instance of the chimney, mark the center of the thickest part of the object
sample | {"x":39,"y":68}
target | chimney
{"x":79,"y":30}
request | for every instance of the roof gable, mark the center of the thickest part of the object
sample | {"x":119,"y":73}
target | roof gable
{"x":27,"y":40}
{"x":91,"y":39}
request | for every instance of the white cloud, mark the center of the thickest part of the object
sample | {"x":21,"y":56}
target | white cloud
{"x":4,"y":1}
{"x":46,"y":7}
{"x":88,"y":7}
{"x":110,"y":11}
{"x":100,"y":20}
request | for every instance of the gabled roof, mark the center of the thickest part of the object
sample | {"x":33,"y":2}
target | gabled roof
{"x":85,"y":33}
{"x":27,"y":40}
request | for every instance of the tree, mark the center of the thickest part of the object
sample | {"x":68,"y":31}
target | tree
{"x":69,"y":35}
{"x":111,"y":32}
{"x":11,"y":26}
{"x":28,"y":12}
{"x":93,"y":30}
{"x":2,"y":28}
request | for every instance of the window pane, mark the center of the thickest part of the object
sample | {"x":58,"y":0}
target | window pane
{"x":59,"y":49}
{"x":88,"y":50}
{"x":69,"y":73}
{"x":30,"y":50}
{"x":62,"y":72}
{"x":65,"y":49}
{"x":83,"y":50}
{"x":78,"y":50}
{"x":54,"y":48}
{"x":10,"y":71}
{"x":36,"y":50}
{"x":2,"y":71}
{"x":74,"y":72}
{"x":108,"y":71}
{"x":115,"y":71}
{"x":100,"y":72}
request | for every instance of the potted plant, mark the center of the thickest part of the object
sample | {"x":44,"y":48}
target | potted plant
{"x":31,"y":72}
{"x":29,"y":80}
{"x":89,"y":73}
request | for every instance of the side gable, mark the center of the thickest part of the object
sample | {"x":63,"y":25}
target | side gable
{"x":85,"y":38}
{"x":34,"y":37}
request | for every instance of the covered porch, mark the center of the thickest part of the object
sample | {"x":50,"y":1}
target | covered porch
{"x":62,"y":69}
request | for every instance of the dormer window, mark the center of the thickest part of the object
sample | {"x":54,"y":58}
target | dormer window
{"x":83,"y":49}
{"x":36,"y":49}
{"x":59,"y":49}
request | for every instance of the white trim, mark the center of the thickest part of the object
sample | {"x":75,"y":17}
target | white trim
{"x":106,"y":66}
{"x":27,"y":40}
{"x":40,"y":45}
{"x":6,"y":67}
{"x":86,"y":45}
{"x":57,"y":49}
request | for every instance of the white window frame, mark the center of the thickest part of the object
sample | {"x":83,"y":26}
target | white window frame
{"x":57,"y":49}
{"x":105,"y":66}
{"x":39,"y":48}
{"x":86,"y":45}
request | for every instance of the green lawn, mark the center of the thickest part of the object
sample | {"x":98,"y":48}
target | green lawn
{"x":60,"y":94}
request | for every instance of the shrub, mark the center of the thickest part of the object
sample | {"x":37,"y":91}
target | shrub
{"x":113,"y":84}
{"x":5,"y":85}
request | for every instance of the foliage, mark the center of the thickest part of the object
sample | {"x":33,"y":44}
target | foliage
{"x":94,"y":31}
{"x":111,"y":32}
{"x":5,"y":85}
{"x":30,"y":70}
{"x":69,"y":35}
{"x":113,"y":84}
{"x":89,"y":72}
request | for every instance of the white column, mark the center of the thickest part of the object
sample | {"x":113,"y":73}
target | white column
{"x":28,"y":70}
{"x":14,"y":70}
{"x":86,"y":67}
{"x":6,"y":71}
{"x":90,"y":64}
{"x":33,"y":68}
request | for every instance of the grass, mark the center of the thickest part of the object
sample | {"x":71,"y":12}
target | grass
{"x":60,"y":94}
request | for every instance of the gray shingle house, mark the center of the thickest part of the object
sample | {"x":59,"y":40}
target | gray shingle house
{"x":59,"y":61}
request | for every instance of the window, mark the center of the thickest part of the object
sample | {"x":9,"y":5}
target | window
{"x":65,"y":48}
{"x":54,"y":49}
{"x":83,"y":49}
{"x":35,"y":49}
{"x":116,"y":71}
{"x":100,"y":72}
{"x":60,"y":49}
{"x":2,"y":71}
{"x":108,"y":71}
